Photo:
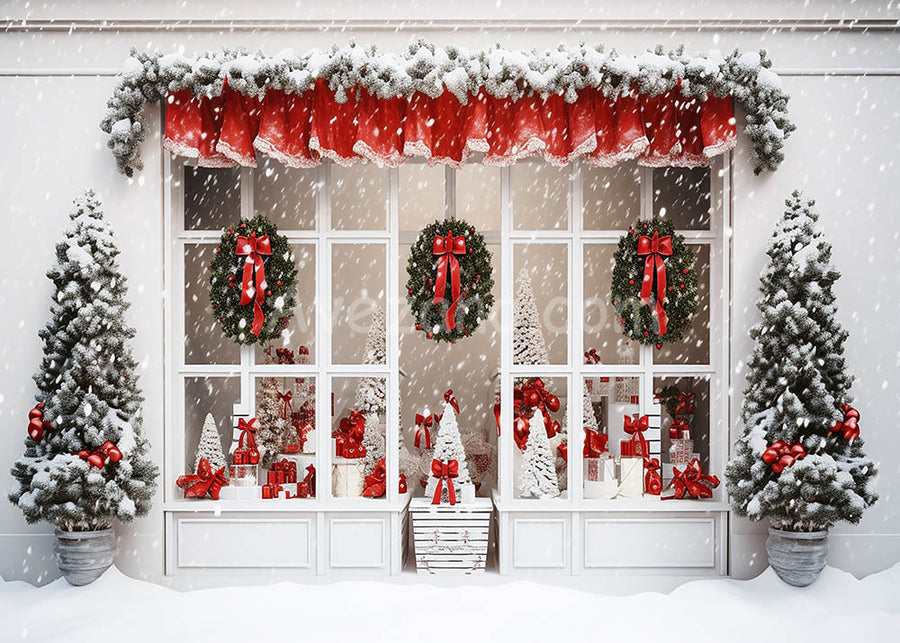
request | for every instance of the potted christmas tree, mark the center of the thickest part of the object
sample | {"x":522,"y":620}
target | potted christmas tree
{"x":799,"y":461}
{"x":85,"y":464}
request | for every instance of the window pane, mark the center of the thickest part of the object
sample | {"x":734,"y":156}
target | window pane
{"x":682,"y":195}
{"x":212,"y":197}
{"x":693,"y":348}
{"x":202,"y":395}
{"x":694,"y":412}
{"x":541,"y":269}
{"x":602,"y":328}
{"x":478,"y":196}
{"x":539,"y":469}
{"x":301,"y":328}
{"x":540,"y":196}
{"x":359,"y":281}
{"x":287,"y":196}
{"x":365,"y":395}
{"x":204,"y":341}
{"x":421,"y":195}
{"x":611,"y":196}
{"x":359,"y":197}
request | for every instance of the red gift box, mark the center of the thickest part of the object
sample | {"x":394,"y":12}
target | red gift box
{"x":348,"y":437}
{"x":247,"y":452}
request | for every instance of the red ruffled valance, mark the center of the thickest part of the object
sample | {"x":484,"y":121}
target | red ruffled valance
{"x":301,"y":130}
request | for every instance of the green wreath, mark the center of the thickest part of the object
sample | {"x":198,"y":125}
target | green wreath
{"x":639,"y":317}
{"x":470,"y":260}
{"x":264,"y":257}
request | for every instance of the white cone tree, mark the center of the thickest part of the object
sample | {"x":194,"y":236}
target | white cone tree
{"x":210,"y":445}
{"x":537,"y":478}
{"x":448,"y":446}
{"x":88,"y":384}
{"x":371,"y":393}
{"x":529,"y":346}
{"x":797,"y":380}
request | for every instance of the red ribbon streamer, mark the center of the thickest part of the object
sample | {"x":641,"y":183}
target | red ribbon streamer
{"x":693,"y":482}
{"x":850,"y":424}
{"x":448,"y":397}
{"x":444,"y":471}
{"x":424,"y":423}
{"x":655,"y":248}
{"x":447,"y":248}
{"x":253,"y":248}
{"x":288,"y":407}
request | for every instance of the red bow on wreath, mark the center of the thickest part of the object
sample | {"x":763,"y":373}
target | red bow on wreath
{"x":203,"y":482}
{"x":850,"y":424}
{"x":424,"y":424}
{"x":254,"y":268}
{"x":685,"y":404}
{"x":446,"y":248}
{"x":655,"y":248}
{"x":636,"y":428}
{"x":444,"y":471}
{"x":348,"y":437}
{"x":781,"y":455}
{"x":448,"y":397}
{"x":692,"y":481}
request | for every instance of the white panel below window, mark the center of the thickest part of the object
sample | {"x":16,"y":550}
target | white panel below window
{"x":650,"y":542}
{"x":358,"y":543}
{"x":540,"y":543}
{"x":234,"y":543}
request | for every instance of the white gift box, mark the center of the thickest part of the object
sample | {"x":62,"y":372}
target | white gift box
{"x":243,"y":475}
{"x":310,"y":445}
{"x":631,"y":477}
{"x":232,"y":492}
{"x":347,"y":477}
{"x":600,"y":481}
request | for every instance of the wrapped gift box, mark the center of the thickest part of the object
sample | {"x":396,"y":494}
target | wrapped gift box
{"x":347,"y":477}
{"x":600,"y":479}
{"x":243,"y":475}
{"x":631,"y":477}
{"x":232,"y":492}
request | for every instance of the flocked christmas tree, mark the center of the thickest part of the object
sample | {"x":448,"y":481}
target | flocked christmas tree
{"x":273,"y":428}
{"x":448,"y":446}
{"x":538,"y":478}
{"x":210,"y":445}
{"x":371,"y":393}
{"x":797,"y":381}
{"x":529,"y":346}
{"x":88,"y":385}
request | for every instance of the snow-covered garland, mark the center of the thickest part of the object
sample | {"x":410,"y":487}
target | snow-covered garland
{"x":430,"y":69}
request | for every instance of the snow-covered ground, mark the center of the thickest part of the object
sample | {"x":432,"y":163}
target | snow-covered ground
{"x":117,"y":608}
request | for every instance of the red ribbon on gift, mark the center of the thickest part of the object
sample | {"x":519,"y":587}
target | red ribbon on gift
{"x":780,"y":454}
{"x":286,"y":399}
{"x":636,"y":428}
{"x":685,"y":404}
{"x":448,"y":397}
{"x":446,"y":248}
{"x":678,"y":428}
{"x":204,"y":481}
{"x":850,"y":424}
{"x":595,"y":443}
{"x":247,"y":451}
{"x":655,"y":249}
{"x":375,"y":486}
{"x":563,"y":450}
{"x":652,"y":481}
{"x":692,"y":481}
{"x":349,"y":436}
{"x":423,"y":424}
{"x":253,"y":284}
{"x":310,"y":479}
{"x":444,"y":471}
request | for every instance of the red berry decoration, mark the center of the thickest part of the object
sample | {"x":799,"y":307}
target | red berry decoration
{"x":35,"y":429}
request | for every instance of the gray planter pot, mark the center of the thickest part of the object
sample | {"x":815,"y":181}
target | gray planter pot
{"x":83,"y":556}
{"x":797,"y":556}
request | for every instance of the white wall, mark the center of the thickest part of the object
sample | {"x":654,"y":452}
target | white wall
{"x":54,"y":84}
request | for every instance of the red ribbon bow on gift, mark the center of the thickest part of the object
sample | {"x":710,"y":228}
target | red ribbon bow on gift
{"x":286,"y":399}
{"x":203,"y":482}
{"x":447,"y":248}
{"x":685,"y":404}
{"x":375,"y":481}
{"x":424,"y":423}
{"x":448,"y":397}
{"x":781,"y":455}
{"x":655,"y":248}
{"x":248,"y":434}
{"x":444,"y":471}
{"x":254,"y":248}
{"x":636,"y":428}
{"x":850,"y":424}
{"x":678,"y":428}
{"x":652,"y":481}
{"x":595,"y":443}
{"x":693,"y":481}
{"x":591,"y":357}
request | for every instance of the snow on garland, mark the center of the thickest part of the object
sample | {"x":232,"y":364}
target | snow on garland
{"x":450,"y":280}
{"x":430,"y":69}
{"x":649,"y":258}
{"x":253,"y":281}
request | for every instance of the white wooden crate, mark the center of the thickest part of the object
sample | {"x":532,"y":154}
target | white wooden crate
{"x":451,"y":539}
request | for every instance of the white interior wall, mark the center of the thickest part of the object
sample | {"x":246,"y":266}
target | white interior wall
{"x":54,"y":85}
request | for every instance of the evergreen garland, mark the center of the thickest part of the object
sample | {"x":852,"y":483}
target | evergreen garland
{"x":476,"y":282}
{"x":430,"y":69}
{"x":680,"y":304}
{"x":226,"y":278}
